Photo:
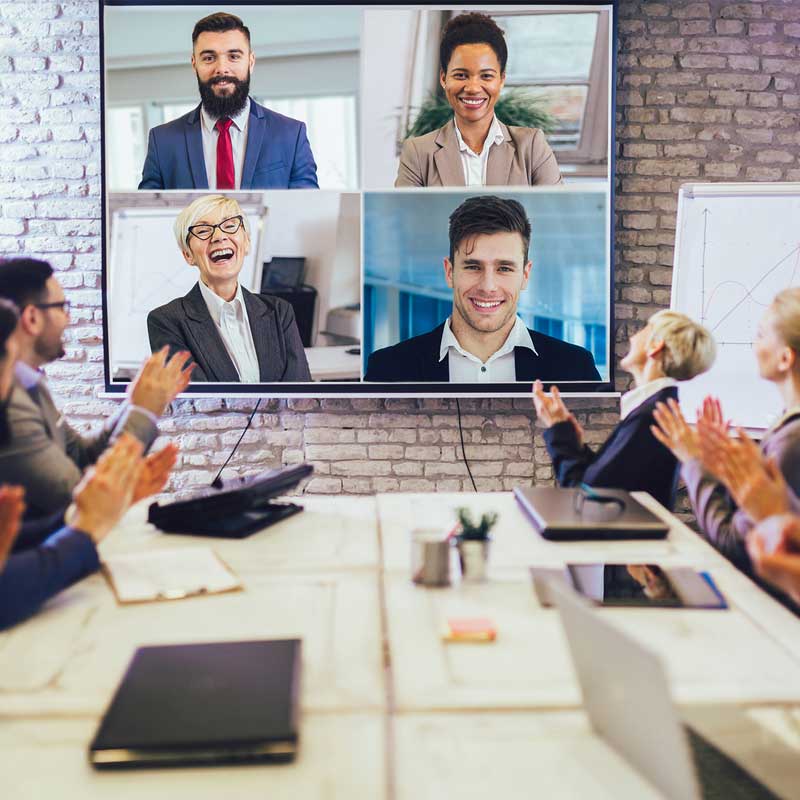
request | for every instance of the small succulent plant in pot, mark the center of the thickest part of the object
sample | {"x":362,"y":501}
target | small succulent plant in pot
{"x":473,"y":544}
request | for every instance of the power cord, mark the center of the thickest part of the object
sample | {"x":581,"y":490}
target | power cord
{"x":217,"y":483}
{"x":463,"y":451}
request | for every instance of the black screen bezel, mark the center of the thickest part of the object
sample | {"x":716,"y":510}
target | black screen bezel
{"x":321,"y":389}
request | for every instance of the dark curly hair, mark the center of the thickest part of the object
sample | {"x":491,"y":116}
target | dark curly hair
{"x":472,"y":28}
{"x":488,"y":214}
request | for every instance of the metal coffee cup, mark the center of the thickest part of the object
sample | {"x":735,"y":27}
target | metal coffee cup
{"x":473,"y":555}
{"x":430,"y":557}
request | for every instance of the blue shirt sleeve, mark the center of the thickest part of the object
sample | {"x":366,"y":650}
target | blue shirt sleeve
{"x":32,"y":577}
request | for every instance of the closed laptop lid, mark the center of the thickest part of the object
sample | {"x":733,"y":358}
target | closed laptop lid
{"x":555,"y":510}
{"x":205,"y":697}
{"x":626,"y":694}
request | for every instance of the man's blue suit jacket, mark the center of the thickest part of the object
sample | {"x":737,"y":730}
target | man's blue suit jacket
{"x":278,"y":154}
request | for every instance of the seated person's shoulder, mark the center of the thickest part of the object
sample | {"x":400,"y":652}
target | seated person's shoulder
{"x":169,"y":310}
{"x":392,"y":363}
{"x":287,"y":123}
{"x":274,"y":305}
{"x":173,"y":126}
{"x":524,"y":136}
{"x":571,"y":361}
{"x":26,"y":420}
{"x":20,"y":404}
{"x":424,"y":143}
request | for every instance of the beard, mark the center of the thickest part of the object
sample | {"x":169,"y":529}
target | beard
{"x":49,"y":350}
{"x":228,"y":105}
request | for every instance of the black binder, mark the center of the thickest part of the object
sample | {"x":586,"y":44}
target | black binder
{"x":215,"y":703}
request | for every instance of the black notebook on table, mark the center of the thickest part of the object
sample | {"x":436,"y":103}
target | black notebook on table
{"x":215,"y":703}
{"x":588,"y":513}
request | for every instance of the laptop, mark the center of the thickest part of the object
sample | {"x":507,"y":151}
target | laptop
{"x":626,"y":695}
{"x":192,"y":704}
{"x":587,"y":513}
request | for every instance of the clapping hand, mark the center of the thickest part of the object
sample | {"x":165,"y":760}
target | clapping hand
{"x":550,"y":409}
{"x":755,"y":482}
{"x":106,"y":489}
{"x":155,"y":471}
{"x":160,"y":381}
{"x":672,"y":430}
{"x":12,"y":506}
{"x":711,"y":416}
{"x":774,"y":548}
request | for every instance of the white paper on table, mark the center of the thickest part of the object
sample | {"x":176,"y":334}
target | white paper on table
{"x":168,"y":574}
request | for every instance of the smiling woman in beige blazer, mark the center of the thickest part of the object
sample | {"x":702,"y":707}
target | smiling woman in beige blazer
{"x":475,"y":148}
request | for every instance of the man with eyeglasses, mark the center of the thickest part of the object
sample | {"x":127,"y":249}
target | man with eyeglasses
{"x":44,"y":454}
{"x":229,"y":141}
{"x":233,"y":335}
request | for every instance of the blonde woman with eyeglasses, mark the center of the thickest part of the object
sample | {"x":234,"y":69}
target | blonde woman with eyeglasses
{"x":233,"y":335}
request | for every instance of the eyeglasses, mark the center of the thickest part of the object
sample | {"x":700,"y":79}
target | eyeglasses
{"x":64,"y":305}
{"x":205,"y":231}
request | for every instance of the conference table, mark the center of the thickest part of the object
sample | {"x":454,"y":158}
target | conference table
{"x":389,"y":709}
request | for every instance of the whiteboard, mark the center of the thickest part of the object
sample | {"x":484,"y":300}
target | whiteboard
{"x":737,"y":246}
{"x":148,"y":270}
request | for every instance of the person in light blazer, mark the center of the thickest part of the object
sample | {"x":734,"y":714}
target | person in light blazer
{"x":233,"y":335}
{"x":475,"y":148}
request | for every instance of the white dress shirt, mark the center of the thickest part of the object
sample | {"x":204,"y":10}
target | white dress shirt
{"x":635,"y":397}
{"x":500,"y":367}
{"x":230,"y":317}
{"x":238,"y":132}
{"x":475,"y":164}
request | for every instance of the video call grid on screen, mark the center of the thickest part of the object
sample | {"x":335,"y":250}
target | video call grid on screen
{"x":322,"y":264}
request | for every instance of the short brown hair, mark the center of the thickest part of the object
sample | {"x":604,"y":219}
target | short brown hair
{"x":219,"y":23}
{"x":488,"y":214}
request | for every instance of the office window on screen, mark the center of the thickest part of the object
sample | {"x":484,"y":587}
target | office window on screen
{"x":561,"y":58}
{"x":126,"y":142}
{"x":332,"y":133}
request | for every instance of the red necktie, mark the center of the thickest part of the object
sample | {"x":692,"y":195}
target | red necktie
{"x":226,"y":177}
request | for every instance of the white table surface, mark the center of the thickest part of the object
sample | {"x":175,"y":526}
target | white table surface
{"x":334,"y":363}
{"x":341,"y":757}
{"x":379,"y":685}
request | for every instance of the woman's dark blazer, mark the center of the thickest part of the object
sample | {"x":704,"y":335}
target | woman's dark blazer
{"x":185,"y":324}
{"x":631,"y":458}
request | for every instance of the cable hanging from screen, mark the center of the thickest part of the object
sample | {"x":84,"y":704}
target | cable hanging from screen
{"x":217,"y":482}
{"x":463,"y":451}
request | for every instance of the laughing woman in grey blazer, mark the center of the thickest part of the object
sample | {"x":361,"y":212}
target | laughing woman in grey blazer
{"x":475,"y":148}
{"x":233,"y":335}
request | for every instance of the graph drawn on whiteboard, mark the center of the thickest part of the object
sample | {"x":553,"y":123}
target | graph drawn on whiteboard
{"x":737,"y":246}
{"x":147,"y":270}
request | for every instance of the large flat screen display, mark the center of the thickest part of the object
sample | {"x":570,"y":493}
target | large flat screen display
{"x":360,"y":200}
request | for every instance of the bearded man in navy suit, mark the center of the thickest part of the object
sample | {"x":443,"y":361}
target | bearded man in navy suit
{"x":229,"y":141}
